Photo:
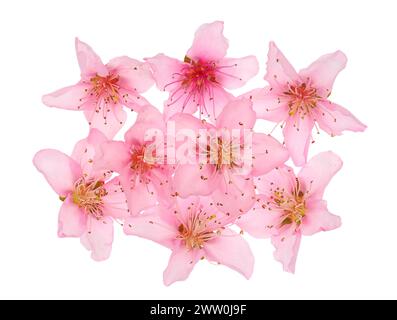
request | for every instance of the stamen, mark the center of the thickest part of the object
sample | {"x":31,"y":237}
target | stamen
{"x":88,"y":196}
{"x":196,"y":79}
{"x":292,"y":204}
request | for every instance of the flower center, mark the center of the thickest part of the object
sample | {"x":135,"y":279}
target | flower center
{"x":143,"y":159}
{"x":302,"y":99}
{"x":223,"y":153}
{"x":88,"y":196}
{"x":293,"y":205}
{"x":195,"y":82}
{"x":198,"y":74}
{"x":195,"y":232}
{"x":106,"y":87}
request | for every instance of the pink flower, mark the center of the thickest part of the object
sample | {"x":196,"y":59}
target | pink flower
{"x":90,"y":201}
{"x":291,"y":206}
{"x":199,"y":81}
{"x":193,"y":229}
{"x":140,"y":161}
{"x":104,"y":89}
{"x":224,"y":163}
{"x":300,"y":100}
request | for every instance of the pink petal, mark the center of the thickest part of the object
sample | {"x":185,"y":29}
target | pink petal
{"x":151,"y":226}
{"x":235,"y":194}
{"x":279,"y":70}
{"x":324,"y":70}
{"x":318,"y":218}
{"x":335,"y":119}
{"x":114,"y":156}
{"x":140,"y":195}
{"x":318,"y":172}
{"x":287,"y":247}
{"x":72,"y":220}
{"x":86,"y":150}
{"x":182,"y":132}
{"x":184,"y":121}
{"x":132,"y":100}
{"x":211,"y":102}
{"x":73,"y":97}
{"x":60,"y":171}
{"x":297,"y":135}
{"x":90,"y":63}
{"x":164,"y":69}
{"x":180,"y":100}
{"x":193,"y":179}
{"x":231,"y":250}
{"x":161,"y":181}
{"x":234,"y":73}
{"x":115,"y":202}
{"x":237,"y":114}
{"x":133,"y":74}
{"x":267,"y":153}
{"x":180,"y":265}
{"x":209,"y":43}
{"x":98,"y":238}
{"x":280,"y":177}
{"x":149,"y":121}
{"x":267,"y":104}
{"x":215,"y":102}
{"x":259,"y":222}
{"x":107,"y":118}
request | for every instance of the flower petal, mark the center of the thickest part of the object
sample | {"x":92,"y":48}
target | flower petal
{"x":98,"y":238}
{"x":235,"y":194}
{"x":115,"y":202}
{"x":259,"y":222}
{"x":209,"y":43}
{"x":71,"y":98}
{"x":324,"y":70}
{"x":215,"y":101}
{"x":287,"y":247}
{"x":132,"y":99}
{"x":334,"y":119}
{"x":318,"y":172}
{"x":133,"y":74}
{"x":180,"y":265}
{"x":107,"y":118}
{"x":72,"y":220}
{"x":282,"y":177}
{"x":279,"y":71}
{"x":193,"y":179}
{"x":318,"y":218}
{"x":140,"y":193}
{"x":149,"y":123}
{"x":237,"y":114}
{"x":151,"y":226}
{"x":89,"y":61}
{"x":164,"y":70}
{"x":267,"y":154}
{"x":231,"y":250}
{"x":297,"y":135}
{"x":114,"y":156}
{"x":267,"y":104}
{"x":60,"y":171}
{"x":86,"y":150}
{"x":234,"y":73}
{"x":180,"y":100}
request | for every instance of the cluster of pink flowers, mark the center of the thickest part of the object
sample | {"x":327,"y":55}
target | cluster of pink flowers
{"x":195,"y":176}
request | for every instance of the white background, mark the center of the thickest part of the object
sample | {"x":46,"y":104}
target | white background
{"x":37,"y":56}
